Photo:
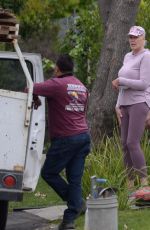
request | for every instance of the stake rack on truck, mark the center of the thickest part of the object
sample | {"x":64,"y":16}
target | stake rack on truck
{"x":21,"y":127}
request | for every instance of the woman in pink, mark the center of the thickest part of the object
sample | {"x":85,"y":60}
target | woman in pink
{"x":133,"y":104}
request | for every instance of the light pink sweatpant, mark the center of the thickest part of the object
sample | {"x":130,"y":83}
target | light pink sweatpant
{"x":132,"y":129}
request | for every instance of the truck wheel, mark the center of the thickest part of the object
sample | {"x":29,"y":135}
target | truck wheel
{"x":3,"y":213}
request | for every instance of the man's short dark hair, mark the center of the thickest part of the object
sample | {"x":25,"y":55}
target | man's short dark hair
{"x":65,"y":63}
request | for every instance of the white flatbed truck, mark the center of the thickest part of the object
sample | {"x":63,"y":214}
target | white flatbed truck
{"x":22,"y":128}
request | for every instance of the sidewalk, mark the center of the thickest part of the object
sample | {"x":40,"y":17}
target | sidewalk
{"x":50,"y":213}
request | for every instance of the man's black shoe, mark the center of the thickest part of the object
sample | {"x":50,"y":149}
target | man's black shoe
{"x":66,"y":226}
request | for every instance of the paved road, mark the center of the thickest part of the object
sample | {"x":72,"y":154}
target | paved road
{"x":25,"y":221}
{"x":35,"y":219}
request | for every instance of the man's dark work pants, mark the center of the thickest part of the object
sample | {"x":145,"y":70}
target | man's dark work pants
{"x":67,"y":153}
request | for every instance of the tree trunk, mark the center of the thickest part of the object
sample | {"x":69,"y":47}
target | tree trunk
{"x":118,"y":16}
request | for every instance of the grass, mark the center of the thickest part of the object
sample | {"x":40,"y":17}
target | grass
{"x":134,"y":220}
{"x":44,"y":196}
{"x":104,"y":162}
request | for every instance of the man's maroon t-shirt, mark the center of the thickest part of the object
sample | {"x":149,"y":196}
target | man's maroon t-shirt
{"x":67,"y":101}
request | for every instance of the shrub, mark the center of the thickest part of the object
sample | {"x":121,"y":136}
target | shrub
{"x":106,"y":161}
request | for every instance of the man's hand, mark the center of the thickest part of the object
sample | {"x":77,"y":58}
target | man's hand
{"x":36,"y":102}
{"x":115,"y":84}
{"x":119,"y":115}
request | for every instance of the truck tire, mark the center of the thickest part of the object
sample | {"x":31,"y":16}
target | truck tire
{"x":3,"y":213}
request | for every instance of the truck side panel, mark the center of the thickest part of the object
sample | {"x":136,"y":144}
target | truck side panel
{"x":13,"y":133}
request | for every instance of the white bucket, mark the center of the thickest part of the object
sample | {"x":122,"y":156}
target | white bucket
{"x":102,"y":214}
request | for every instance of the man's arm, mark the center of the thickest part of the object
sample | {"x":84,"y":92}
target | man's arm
{"x":45,"y":89}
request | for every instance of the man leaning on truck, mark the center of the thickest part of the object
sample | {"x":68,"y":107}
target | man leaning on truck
{"x":70,"y":141}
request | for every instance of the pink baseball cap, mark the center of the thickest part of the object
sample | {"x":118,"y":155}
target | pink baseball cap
{"x":136,"y":31}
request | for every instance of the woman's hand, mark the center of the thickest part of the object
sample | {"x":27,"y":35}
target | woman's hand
{"x":115,"y":84}
{"x":147,"y":121}
{"x":119,"y":115}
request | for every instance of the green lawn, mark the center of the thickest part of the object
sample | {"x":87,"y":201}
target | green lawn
{"x":128,"y":220}
{"x":44,"y":196}
{"x":134,"y":219}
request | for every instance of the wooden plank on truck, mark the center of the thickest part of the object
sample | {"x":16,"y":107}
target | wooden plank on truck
{"x":8,"y":26}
